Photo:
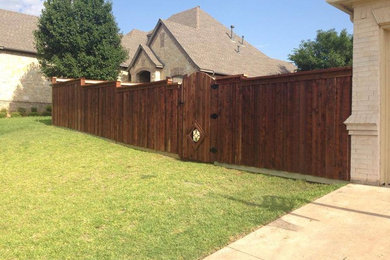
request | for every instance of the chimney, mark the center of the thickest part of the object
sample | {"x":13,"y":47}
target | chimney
{"x":231,"y":31}
{"x":242,"y":40}
{"x":238,"y":49}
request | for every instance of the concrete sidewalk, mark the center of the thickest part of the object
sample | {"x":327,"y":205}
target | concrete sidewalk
{"x":350,"y":223}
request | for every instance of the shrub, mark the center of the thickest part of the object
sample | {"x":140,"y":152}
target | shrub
{"x":33,"y":114}
{"x":22,"y":111}
{"x":16,"y":114}
{"x":34,"y":110}
{"x":48,"y":108}
{"x":3,"y":110}
{"x":3,"y":114}
{"x":46,"y":113}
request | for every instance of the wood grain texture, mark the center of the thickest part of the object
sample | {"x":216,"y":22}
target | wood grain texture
{"x":145,"y":115}
{"x":291,"y":122}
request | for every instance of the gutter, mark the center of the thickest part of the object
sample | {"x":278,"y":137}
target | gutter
{"x":343,"y":5}
{"x":213,"y":72}
{"x":17,"y":50}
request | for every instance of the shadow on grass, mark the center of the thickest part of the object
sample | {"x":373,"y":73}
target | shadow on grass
{"x":46,"y":121}
{"x":269,"y":202}
{"x":287,"y":205}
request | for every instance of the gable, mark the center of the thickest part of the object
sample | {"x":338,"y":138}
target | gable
{"x":165,"y":47}
{"x":142,"y":62}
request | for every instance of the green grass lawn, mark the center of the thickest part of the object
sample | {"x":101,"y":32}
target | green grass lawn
{"x":66,"y":194}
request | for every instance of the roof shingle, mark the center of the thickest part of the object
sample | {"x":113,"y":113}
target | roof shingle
{"x":17,"y":31}
{"x":208,"y":44}
{"x":131,"y":42}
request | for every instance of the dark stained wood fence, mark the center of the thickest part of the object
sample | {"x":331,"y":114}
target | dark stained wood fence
{"x":148,"y":116}
{"x":145,"y":115}
{"x":291,"y":122}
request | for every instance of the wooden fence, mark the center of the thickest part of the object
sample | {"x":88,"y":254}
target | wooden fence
{"x":291,"y":122}
{"x":144,"y":115}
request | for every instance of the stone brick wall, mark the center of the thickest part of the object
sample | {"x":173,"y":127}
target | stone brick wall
{"x":21,"y":82}
{"x":176,"y":62}
{"x":144,"y":63}
{"x":364,"y":123}
{"x":123,"y":76}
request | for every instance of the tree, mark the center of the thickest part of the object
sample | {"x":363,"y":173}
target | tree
{"x":79,"y":38}
{"x":329,"y":50}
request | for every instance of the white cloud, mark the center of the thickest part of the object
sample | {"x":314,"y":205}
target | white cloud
{"x":33,"y":7}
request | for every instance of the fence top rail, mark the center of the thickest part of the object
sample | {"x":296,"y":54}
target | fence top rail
{"x":161,"y":83}
{"x":60,"y":82}
{"x":313,"y":74}
{"x":102,"y":84}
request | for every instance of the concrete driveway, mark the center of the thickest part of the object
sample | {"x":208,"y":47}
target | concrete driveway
{"x":350,"y":223}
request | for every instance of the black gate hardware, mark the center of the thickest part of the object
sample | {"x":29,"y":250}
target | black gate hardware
{"x":213,"y":150}
{"x":214,"y":116}
{"x":215,"y":86}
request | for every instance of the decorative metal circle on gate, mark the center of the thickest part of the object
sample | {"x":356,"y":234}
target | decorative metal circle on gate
{"x":195,"y":135}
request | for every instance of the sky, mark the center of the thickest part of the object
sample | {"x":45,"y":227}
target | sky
{"x":275,"y":27}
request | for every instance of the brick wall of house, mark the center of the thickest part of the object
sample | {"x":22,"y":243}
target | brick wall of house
{"x":144,"y":63}
{"x":176,"y":63}
{"x":364,"y":123}
{"x":21,"y":83}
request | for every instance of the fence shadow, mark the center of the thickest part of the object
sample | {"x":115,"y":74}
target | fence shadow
{"x":45,"y":121}
{"x":268,"y":202}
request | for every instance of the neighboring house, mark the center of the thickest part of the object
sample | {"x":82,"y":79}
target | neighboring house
{"x":21,"y":82}
{"x":193,"y":41}
{"x":187,"y":42}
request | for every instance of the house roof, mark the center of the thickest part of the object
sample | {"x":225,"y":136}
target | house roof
{"x":149,"y":53}
{"x":131,"y":42}
{"x":343,"y":5}
{"x":207,"y":43}
{"x":16,"y":31}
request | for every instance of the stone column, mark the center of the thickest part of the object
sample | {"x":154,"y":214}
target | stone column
{"x":364,"y":124}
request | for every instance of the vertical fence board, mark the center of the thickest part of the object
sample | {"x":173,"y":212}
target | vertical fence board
{"x":292,"y":122}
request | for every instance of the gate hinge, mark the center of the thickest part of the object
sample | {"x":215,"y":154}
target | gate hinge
{"x":214,"y":116}
{"x":213,"y":150}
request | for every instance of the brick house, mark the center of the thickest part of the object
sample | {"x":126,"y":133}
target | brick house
{"x":21,"y":82}
{"x":193,"y":41}
{"x":369,"y":124}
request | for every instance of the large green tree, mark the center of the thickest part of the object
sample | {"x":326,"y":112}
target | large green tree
{"x":328,"y":50}
{"x":79,"y":38}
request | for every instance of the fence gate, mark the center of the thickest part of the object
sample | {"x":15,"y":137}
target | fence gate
{"x":198,"y":109}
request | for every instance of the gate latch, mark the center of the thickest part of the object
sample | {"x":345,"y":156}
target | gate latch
{"x":214,"y":86}
{"x":214,"y":116}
